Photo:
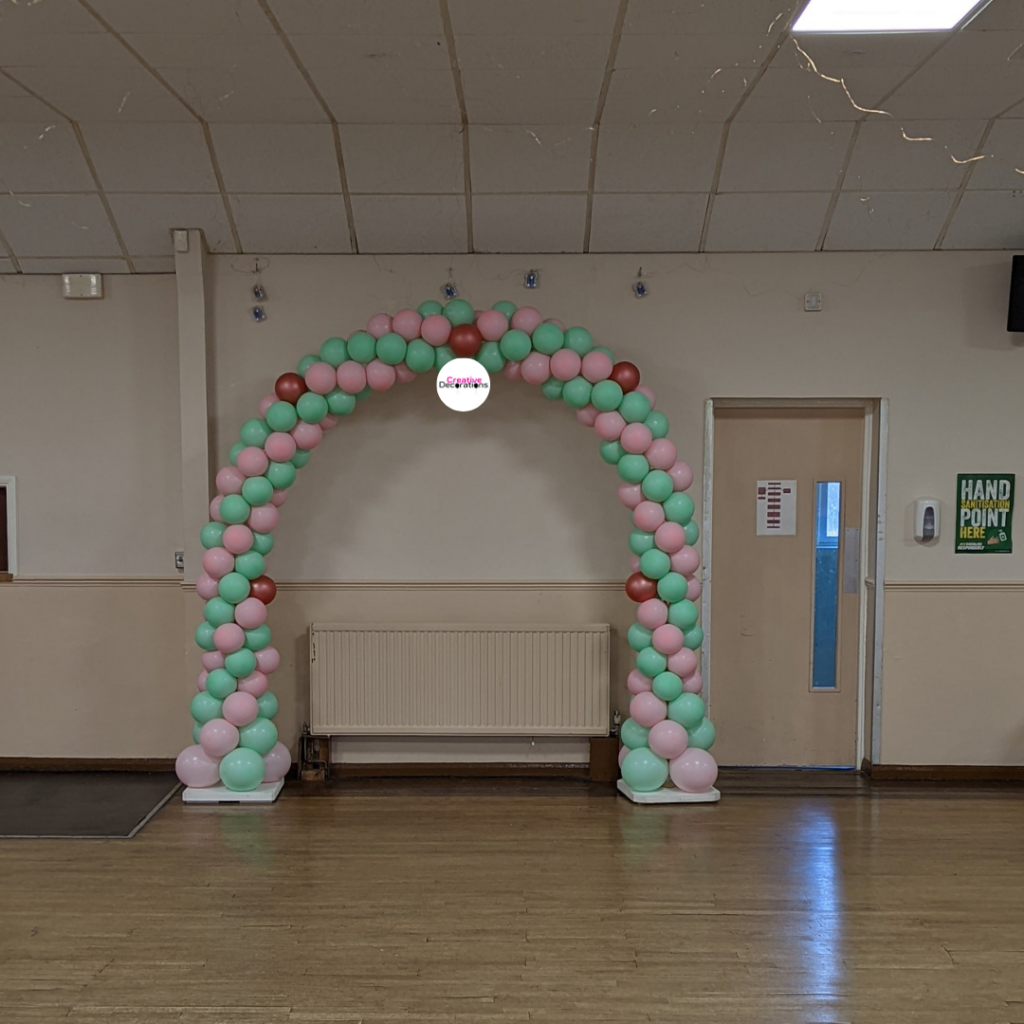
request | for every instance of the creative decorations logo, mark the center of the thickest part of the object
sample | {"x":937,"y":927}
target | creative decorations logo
{"x":463,"y":385}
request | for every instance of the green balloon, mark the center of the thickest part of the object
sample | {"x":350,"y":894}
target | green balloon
{"x":250,"y":565}
{"x":299,"y":459}
{"x":657,"y":424}
{"x":515,"y":345}
{"x":263,"y":543}
{"x":233,"y":588}
{"x":204,"y":636}
{"x":233,"y":452}
{"x":683,"y":614}
{"x":667,"y":686}
{"x":419,"y":356}
{"x":679,"y":508}
{"x":242,"y":770}
{"x":217,"y":611}
{"x":692,"y":533}
{"x":579,"y":340}
{"x":334,"y":351}
{"x":260,"y":735}
{"x":459,"y":311}
{"x":391,"y":349}
{"x":633,"y":734}
{"x":220,"y":683}
{"x":687,"y":709}
{"x":362,"y":347}
{"x":282,"y":416}
{"x":548,"y":338}
{"x":267,"y":705}
{"x":506,"y":307}
{"x":635,"y":407}
{"x":703,"y":737}
{"x":305,"y":363}
{"x":281,"y":475}
{"x":360,"y":397}
{"x":643,"y":771}
{"x":611,"y":452}
{"x":442,"y":354}
{"x":653,"y":564}
{"x":340,"y":403}
{"x":640,"y":542}
{"x":234,"y":509}
{"x":258,"y":490}
{"x":606,"y":396}
{"x":311,"y":407}
{"x":633,"y":468}
{"x":241,"y":663}
{"x":651,"y":662}
{"x":552,"y":388}
{"x":672,"y":587}
{"x":693,"y":638}
{"x":204,"y":706}
{"x":211,"y":535}
{"x":638,"y":637}
{"x":429,"y":308}
{"x":258,"y":638}
{"x":576,"y":392}
{"x":196,"y":727}
{"x":657,"y":485}
{"x":490,"y":357}
{"x":254,"y":433}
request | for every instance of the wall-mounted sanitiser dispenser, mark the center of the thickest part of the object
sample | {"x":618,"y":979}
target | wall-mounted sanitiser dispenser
{"x":926,"y":519}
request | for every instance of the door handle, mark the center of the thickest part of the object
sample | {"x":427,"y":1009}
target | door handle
{"x":851,"y":560}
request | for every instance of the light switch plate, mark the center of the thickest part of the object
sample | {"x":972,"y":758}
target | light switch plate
{"x":83,"y":286}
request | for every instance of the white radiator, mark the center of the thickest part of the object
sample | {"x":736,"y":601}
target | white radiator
{"x":445,"y":680}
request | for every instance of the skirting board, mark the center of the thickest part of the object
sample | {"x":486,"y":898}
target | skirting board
{"x":944,"y":773}
{"x":266,"y":793}
{"x":87,"y":764}
{"x":668,"y":796}
{"x":454,"y":770}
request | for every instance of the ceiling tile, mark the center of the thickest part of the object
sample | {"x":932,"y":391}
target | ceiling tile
{"x":988,"y":220}
{"x":959,"y":92}
{"x":888,"y":220}
{"x":513,"y":158}
{"x":373,"y":55}
{"x":671,"y":51}
{"x":24,"y":20}
{"x":980,"y":49}
{"x":55,"y":225}
{"x":291,"y":224}
{"x":213,"y":16}
{"x":793,"y":94}
{"x":68,"y":265}
{"x":784,"y":157}
{"x":133,"y":156}
{"x":545,"y":52}
{"x":999,"y":15}
{"x":529,"y":223}
{"x":1003,"y":168}
{"x":146,"y":221}
{"x":836,"y":54}
{"x":533,"y":17}
{"x":63,"y":50}
{"x":647,"y":223}
{"x":17,"y":105}
{"x":540,"y":97}
{"x":277,"y":157}
{"x":414,"y":224}
{"x":238,"y":94}
{"x":400,"y":97}
{"x":697,"y":17}
{"x":656,"y":158}
{"x":392,"y":158}
{"x":773,"y":222}
{"x":7,"y":267}
{"x":42,"y":156}
{"x":678,"y":96}
{"x":358,"y":17}
{"x":153,"y":264}
{"x":222,"y":50}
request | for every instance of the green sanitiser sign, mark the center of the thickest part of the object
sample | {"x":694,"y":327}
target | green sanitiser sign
{"x":984,"y":513}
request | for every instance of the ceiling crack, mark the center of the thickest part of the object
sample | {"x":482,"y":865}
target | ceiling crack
{"x":460,"y":95}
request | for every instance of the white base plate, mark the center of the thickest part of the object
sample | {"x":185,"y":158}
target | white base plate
{"x":265,"y":793}
{"x":669,"y":796}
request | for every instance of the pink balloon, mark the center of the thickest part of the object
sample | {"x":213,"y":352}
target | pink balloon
{"x":647,"y":709}
{"x":278,"y":761}
{"x":201,"y":681}
{"x":668,"y":739}
{"x":278,"y":498}
{"x":435,"y":329}
{"x":661,"y":454}
{"x":685,"y":561}
{"x":307,"y":435}
{"x":634,"y":563}
{"x":380,"y":376}
{"x":652,"y":613}
{"x":378,"y":325}
{"x":682,"y":476}
{"x":240,"y":708}
{"x":637,"y":682}
{"x":351,"y":377}
{"x":609,"y":426}
{"x":406,"y":324}
{"x":565,"y":364}
{"x":693,"y":771}
{"x":266,"y":402}
{"x":218,"y":562}
{"x":554,"y":320}
{"x":268,"y":659}
{"x":206,"y":585}
{"x":492,"y":324}
{"x":215,"y":509}
{"x":212,"y":660}
{"x":321,"y":378}
{"x":280,"y":446}
{"x":513,"y":370}
{"x":646,"y":392}
{"x":670,"y":537}
{"x":536,"y":368}
{"x":630,"y":495}
{"x":668,"y":638}
{"x":648,"y":516}
{"x":683,"y":663}
{"x":263,"y":519}
{"x":229,"y":480}
{"x":229,"y":637}
{"x":256,"y":684}
{"x":636,"y":438}
{"x":526,"y":319}
{"x":253,"y":461}
{"x":251,"y":613}
{"x":693,"y":587}
{"x":329,"y":422}
{"x":218,"y":737}
{"x":587,"y":415}
{"x":237,"y":539}
{"x":623,"y":751}
{"x":596,"y":366}
{"x":693,"y":684}
{"x":404,"y":375}
{"x":194,"y":767}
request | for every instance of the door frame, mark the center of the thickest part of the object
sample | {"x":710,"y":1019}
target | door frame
{"x":872,"y":550}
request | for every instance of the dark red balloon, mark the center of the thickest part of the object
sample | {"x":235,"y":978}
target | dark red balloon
{"x":263,"y":588}
{"x":640,"y":588}
{"x":465,"y":341}
{"x":290,"y":387}
{"x":626,"y":375}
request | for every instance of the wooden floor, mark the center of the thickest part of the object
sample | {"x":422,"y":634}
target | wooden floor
{"x":549,"y":901}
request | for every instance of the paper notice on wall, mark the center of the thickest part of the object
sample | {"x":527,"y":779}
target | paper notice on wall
{"x":776,"y":508}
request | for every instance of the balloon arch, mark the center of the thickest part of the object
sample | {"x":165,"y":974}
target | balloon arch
{"x":667,"y":735}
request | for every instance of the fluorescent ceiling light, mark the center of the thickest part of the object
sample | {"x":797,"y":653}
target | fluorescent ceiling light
{"x":883,"y":15}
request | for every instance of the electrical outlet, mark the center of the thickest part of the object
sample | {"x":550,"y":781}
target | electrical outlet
{"x":179,"y":560}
